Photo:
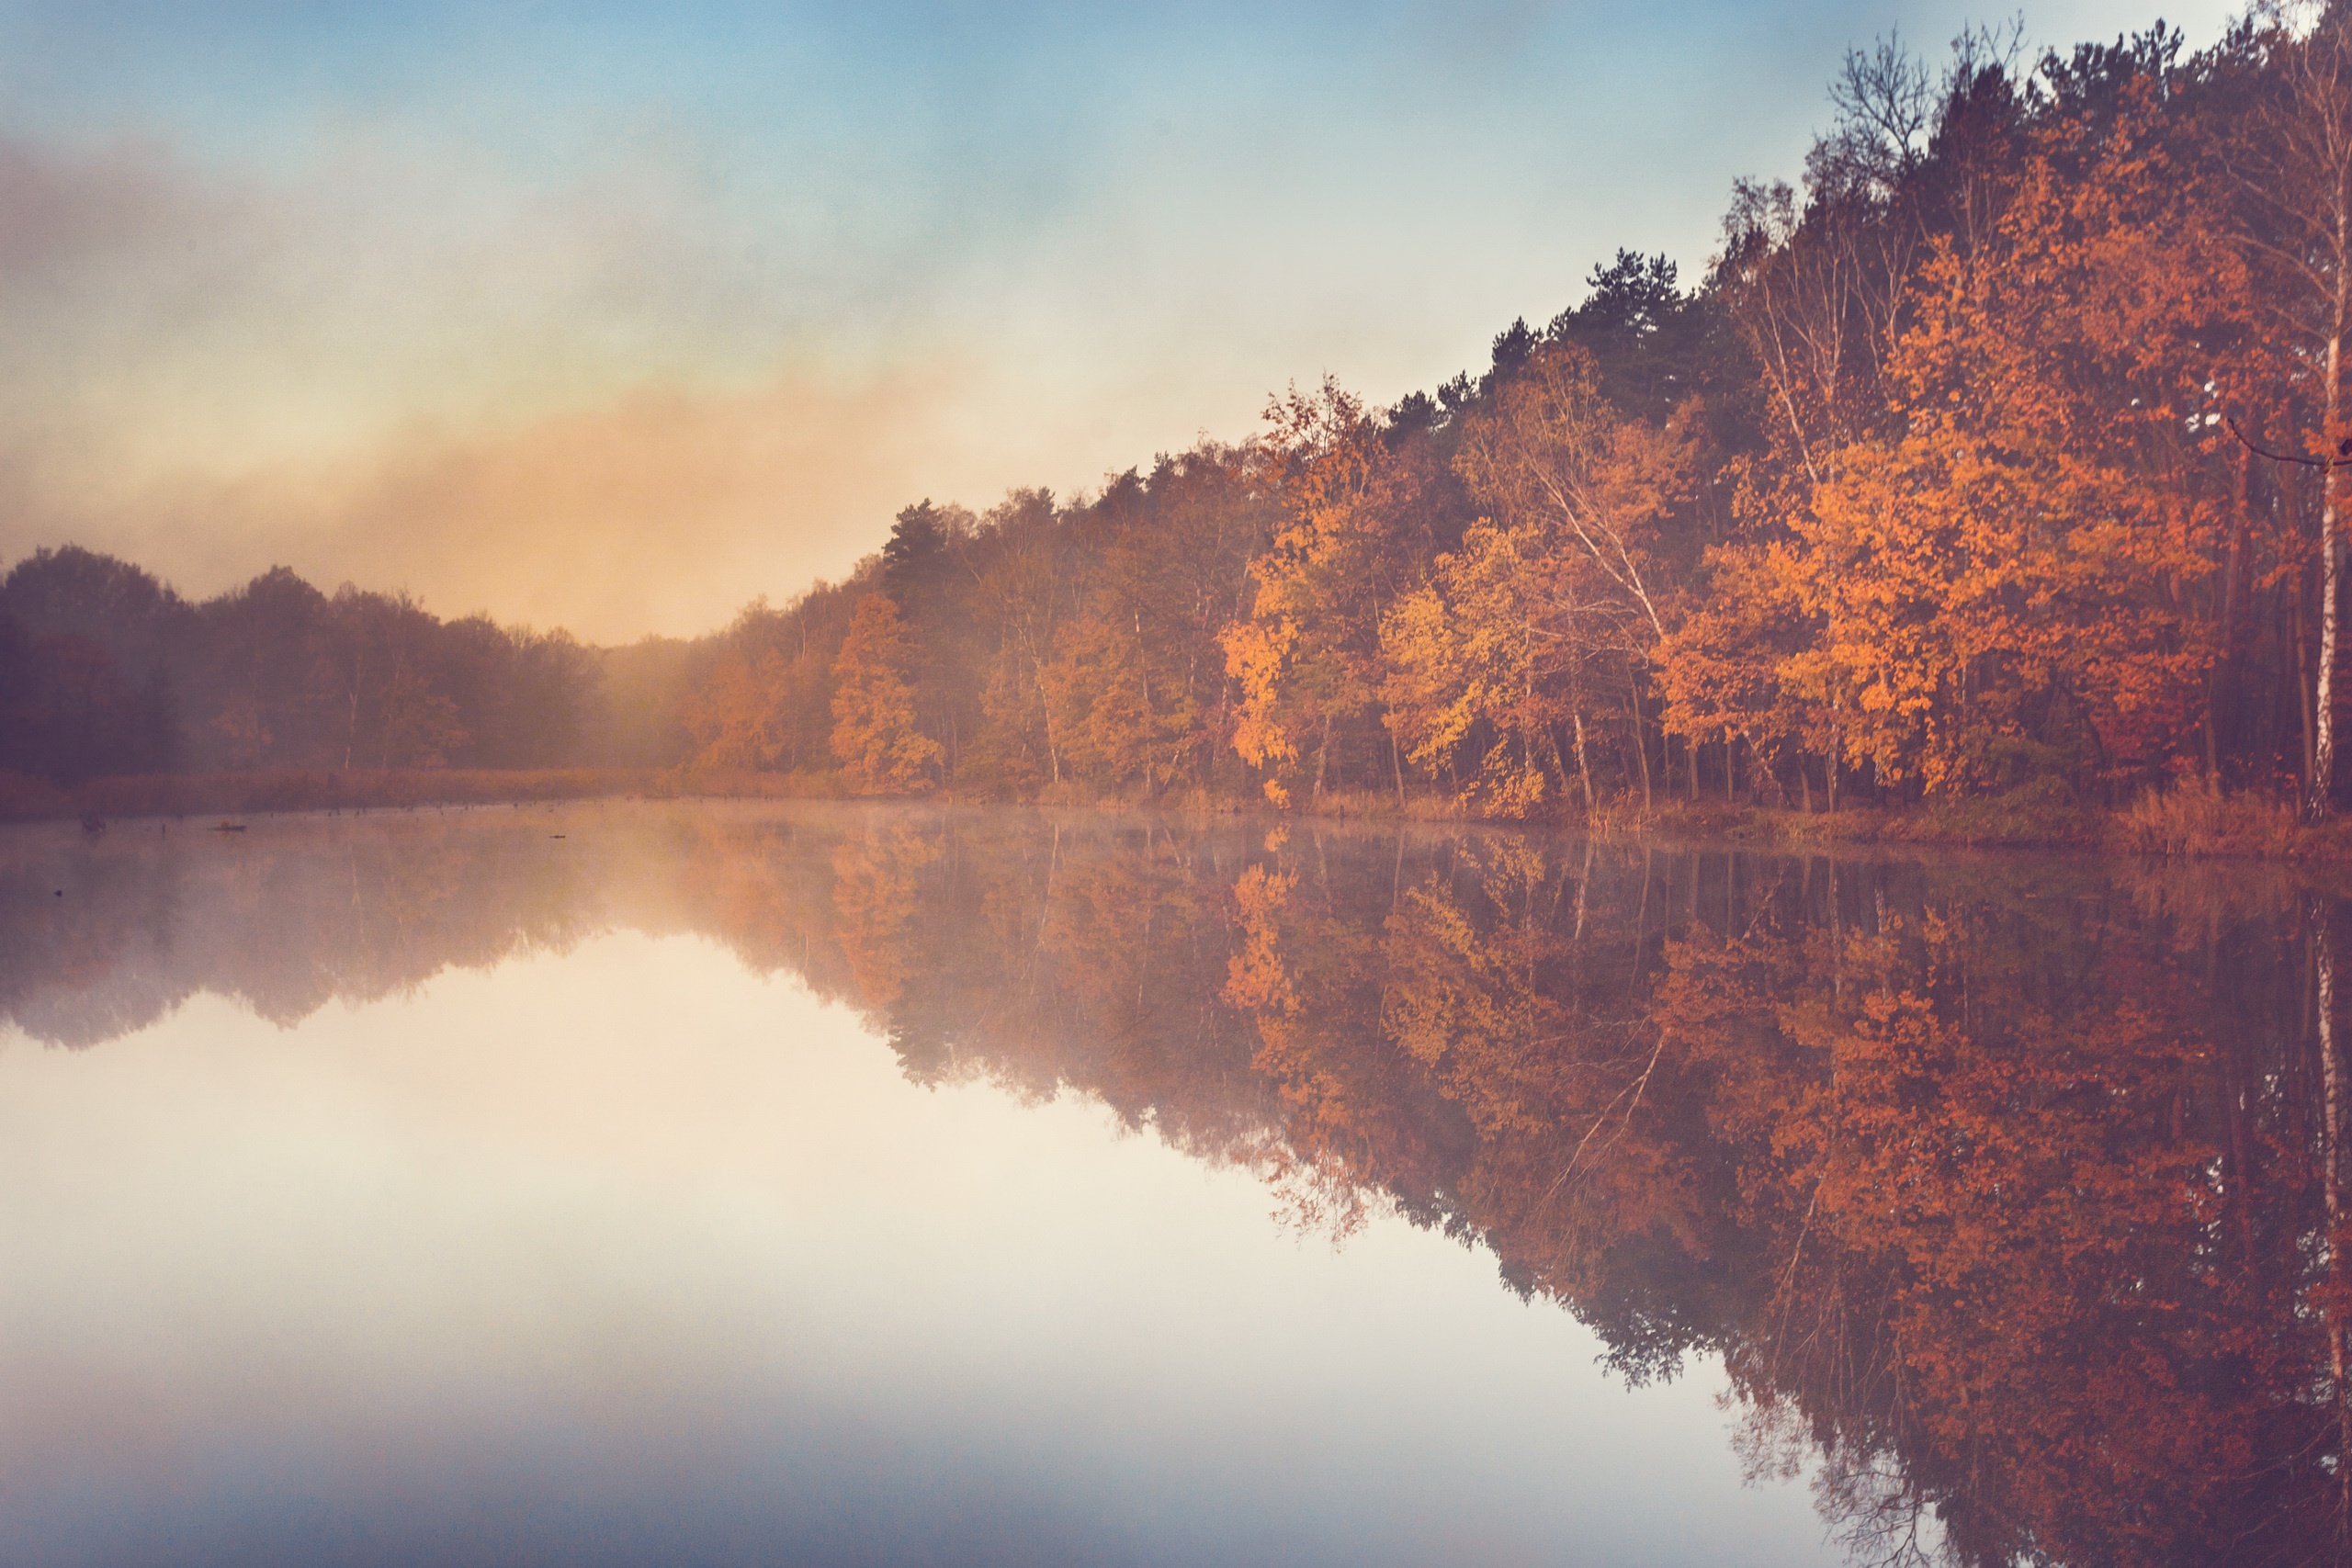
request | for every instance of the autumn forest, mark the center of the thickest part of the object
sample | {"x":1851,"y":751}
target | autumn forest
{"x":1996,"y":458}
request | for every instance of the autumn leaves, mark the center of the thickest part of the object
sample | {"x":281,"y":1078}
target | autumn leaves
{"x":1948,"y":503}
{"x":875,"y":736}
{"x":1480,"y":660}
{"x":1932,"y":489}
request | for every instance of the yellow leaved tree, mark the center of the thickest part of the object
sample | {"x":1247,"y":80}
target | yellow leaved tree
{"x":741,"y":718}
{"x":1352,"y":540}
{"x":881,"y":751}
{"x":1501,"y":656}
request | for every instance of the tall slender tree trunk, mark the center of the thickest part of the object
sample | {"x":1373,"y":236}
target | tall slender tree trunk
{"x":1045,"y":706}
{"x":384,"y":751}
{"x":2302,"y":678}
{"x":1397,"y":761}
{"x":1641,"y":741}
{"x":2302,"y":168}
{"x":2331,"y":1176}
{"x":2323,"y":785}
{"x":1584,"y":767}
{"x":2324,"y":684}
{"x":1829,"y":764}
{"x":2218,"y":680}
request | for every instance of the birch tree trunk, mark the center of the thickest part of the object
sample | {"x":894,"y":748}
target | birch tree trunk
{"x":2323,"y":783}
{"x":2331,"y":1173}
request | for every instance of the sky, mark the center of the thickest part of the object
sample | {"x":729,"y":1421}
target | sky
{"x":619,"y":317}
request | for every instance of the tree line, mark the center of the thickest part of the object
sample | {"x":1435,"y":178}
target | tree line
{"x":1998,"y":455}
{"x":106,"y":671}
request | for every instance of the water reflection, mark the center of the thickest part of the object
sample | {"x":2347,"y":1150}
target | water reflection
{"x":2000,"y":1187}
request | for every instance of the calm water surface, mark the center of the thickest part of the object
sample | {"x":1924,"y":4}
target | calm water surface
{"x":814,"y":1185}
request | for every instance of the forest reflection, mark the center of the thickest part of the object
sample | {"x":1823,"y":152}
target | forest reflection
{"x":2002,"y":1186}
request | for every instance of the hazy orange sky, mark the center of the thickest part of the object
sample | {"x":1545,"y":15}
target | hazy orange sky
{"x":617,"y":317}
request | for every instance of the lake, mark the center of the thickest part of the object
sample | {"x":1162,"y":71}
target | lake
{"x":677,"y":1183}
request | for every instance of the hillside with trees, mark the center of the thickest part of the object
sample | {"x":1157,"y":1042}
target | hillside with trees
{"x":1996,"y":458}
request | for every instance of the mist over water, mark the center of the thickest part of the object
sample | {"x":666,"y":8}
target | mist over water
{"x":729,"y":1183}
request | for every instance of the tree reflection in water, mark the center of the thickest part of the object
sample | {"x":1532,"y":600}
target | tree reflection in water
{"x":2001,"y":1186}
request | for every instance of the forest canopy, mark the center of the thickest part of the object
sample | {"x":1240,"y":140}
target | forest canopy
{"x":1998,"y":455}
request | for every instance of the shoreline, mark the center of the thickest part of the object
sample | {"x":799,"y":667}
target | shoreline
{"x":2190,"y":822}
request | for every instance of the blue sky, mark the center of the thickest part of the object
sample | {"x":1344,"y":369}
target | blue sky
{"x":618,"y":316}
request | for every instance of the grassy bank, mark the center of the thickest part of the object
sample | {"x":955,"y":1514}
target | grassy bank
{"x":2190,"y":820}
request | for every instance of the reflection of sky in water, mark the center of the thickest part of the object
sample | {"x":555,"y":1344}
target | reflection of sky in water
{"x":625,"y":1255}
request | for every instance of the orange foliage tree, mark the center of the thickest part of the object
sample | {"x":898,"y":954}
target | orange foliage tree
{"x":1550,"y":595}
{"x":2011,"y":586}
{"x":881,"y":751}
{"x":741,"y":718}
{"x":1350,"y":543}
